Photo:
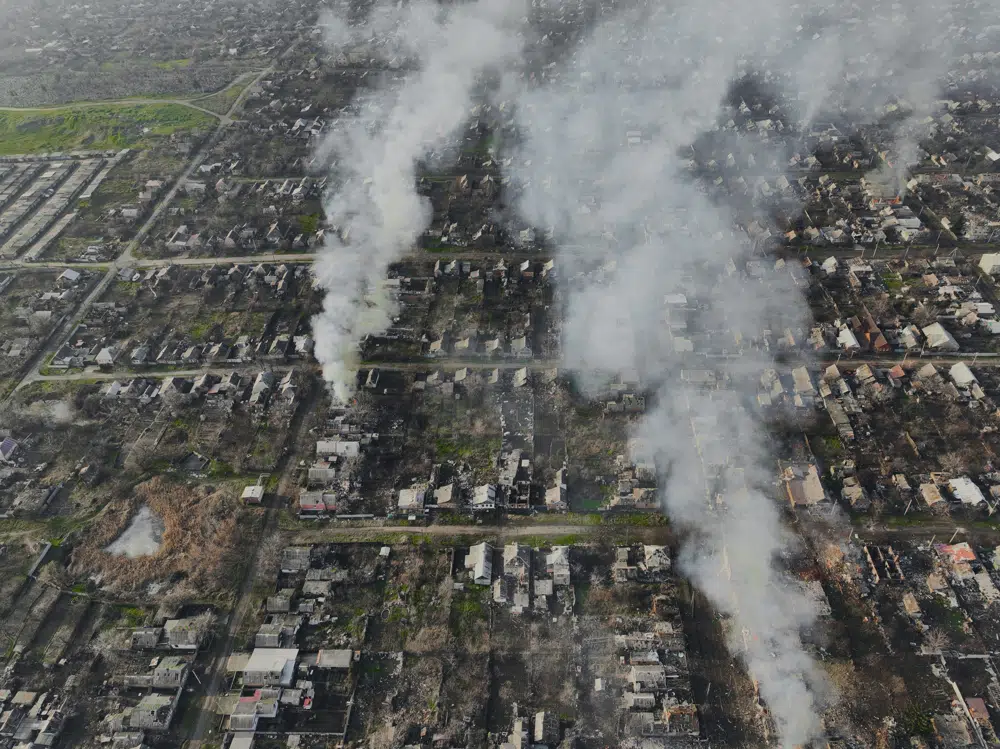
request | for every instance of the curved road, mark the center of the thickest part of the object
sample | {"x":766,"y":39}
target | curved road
{"x":191,"y":102}
{"x":113,"y":102}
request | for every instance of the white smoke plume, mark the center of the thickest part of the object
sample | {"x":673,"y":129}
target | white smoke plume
{"x":603,"y":141}
{"x":601,"y":166}
{"x":374,"y":206}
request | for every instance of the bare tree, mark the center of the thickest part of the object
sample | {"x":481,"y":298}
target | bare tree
{"x":269,"y":557}
{"x":953,"y":462}
{"x":924,"y":315}
{"x":880,"y":307}
{"x":935,"y":640}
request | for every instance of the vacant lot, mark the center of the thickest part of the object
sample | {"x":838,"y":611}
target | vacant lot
{"x":95,"y":127}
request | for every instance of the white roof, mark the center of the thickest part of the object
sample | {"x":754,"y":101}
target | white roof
{"x":271,"y":660}
{"x":480,"y":561}
{"x":965,"y":491}
{"x":938,"y":337}
{"x":344,"y":448}
{"x":484,"y":493}
{"x":847,"y":339}
{"x":961,"y":375}
{"x":411,"y":498}
{"x":242,"y":740}
{"x":803,"y":382}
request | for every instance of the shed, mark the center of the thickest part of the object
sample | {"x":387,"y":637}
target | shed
{"x":253,"y":494}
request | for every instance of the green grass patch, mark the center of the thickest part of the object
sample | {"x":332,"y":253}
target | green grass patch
{"x":309,"y":223}
{"x":467,"y":450}
{"x":637,"y":519}
{"x":910,"y":520}
{"x":133,"y":616}
{"x":100,"y":127}
{"x":219,"y":469}
{"x":441,"y":247}
{"x":540,"y":541}
{"x":893,"y":282}
{"x":129,"y":288}
{"x":173,"y":64}
{"x":469,"y":607}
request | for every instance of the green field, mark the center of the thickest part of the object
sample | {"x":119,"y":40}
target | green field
{"x":94,"y":127}
{"x":173,"y":64}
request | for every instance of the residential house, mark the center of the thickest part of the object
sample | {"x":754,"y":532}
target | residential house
{"x":146,"y":638}
{"x":555,"y":496}
{"x":517,"y":561}
{"x":479,"y":562}
{"x":270,"y":667}
{"x":446,"y":497}
{"x":557,"y":565}
{"x":484,"y":497}
{"x":966,"y":492}
{"x":107,"y":356}
{"x":939,"y":339}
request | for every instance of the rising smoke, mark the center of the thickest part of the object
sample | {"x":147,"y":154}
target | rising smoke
{"x":375,"y":207}
{"x":606,"y":140}
{"x":601,"y":164}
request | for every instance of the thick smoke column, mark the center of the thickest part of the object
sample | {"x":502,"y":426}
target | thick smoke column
{"x":604,"y":140}
{"x":601,"y":166}
{"x":375,"y":207}
{"x":662,"y":76}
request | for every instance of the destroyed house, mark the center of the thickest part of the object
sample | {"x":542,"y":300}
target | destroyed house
{"x":183,"y":634}
{"x":296,"y":558}
{"x":146,"y":638}
{"x":557,"y":565}
{"x":647,"y":678}
{"x":278,"y":631}
{"x":170,"y":672}
{"x":517,"y":561}
{"x":263,"y":703}
{"x":316,"y":504}
{"x":154,"y":712}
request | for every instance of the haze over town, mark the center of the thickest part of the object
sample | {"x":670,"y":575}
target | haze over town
{"x":499,"y":373}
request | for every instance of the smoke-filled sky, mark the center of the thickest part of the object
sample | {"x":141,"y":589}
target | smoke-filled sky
{"x":375,"y":207}
{"x":599,"y":160}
